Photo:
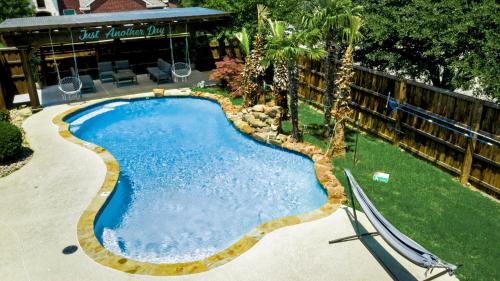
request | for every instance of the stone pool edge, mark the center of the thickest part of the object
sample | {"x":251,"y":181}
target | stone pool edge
{"x":93,"y":248}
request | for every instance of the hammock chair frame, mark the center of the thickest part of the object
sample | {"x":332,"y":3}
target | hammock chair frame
{"x":69,"y":86}
{"x":180,"y":70}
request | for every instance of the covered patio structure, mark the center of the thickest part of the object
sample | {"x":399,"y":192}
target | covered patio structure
{"x":43,"y":50}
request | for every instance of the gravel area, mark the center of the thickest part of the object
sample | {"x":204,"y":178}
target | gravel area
{"x":14,"y":165}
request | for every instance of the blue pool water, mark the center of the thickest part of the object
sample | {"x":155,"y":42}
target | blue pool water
{"x":190,"y":183}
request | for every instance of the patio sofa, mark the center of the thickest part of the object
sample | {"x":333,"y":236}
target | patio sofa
{"x":161,"y":73}
{"x":122,"y":65}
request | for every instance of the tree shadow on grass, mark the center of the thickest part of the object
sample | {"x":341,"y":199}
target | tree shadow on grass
{"x":350,"y":138}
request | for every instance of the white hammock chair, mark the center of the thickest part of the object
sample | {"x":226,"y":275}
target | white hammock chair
{"x":70,"y":86}
{"x":180,"y":70}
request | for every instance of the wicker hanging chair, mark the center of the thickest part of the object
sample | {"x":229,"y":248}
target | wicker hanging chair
{"x":180,"y":70}
{"x":70,"y":86}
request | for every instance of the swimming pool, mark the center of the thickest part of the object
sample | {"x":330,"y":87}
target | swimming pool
{"x":190,"y":183}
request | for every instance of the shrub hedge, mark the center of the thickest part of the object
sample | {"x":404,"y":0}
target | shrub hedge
{"x":4,"y":115}
{"x":11,"y":140}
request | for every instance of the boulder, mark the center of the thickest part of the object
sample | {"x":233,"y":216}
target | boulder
{"x":261,"y":116}
{"x":282,"y":138}
{"x":258,"y":108}
{"x":247,"y":129}
{"x":273,"y":112}
{"x":254,"y":122}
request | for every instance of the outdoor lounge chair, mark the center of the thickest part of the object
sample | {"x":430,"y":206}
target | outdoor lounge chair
{"x":161,"y":73}
{"x":397,"y":240}
{"x":122,"y":65}
{"x":87,"y":81}
{"x":105,"y":71}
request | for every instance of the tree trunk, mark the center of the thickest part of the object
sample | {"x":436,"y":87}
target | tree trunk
{"x":330,"y":69}
{"x":293,"y":76}
{"x":338,"y":147}
{"x":282,"y":101}
{"x":446,"y":78}
{"x":280,"y":87}
{"x":441,"y":80}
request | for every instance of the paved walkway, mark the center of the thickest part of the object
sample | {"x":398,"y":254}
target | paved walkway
{"x":40,"y":206}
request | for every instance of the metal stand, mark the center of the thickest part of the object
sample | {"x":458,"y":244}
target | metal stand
{"x":356,"y":145}
{"x":357,"y":235}
{"x":353,"y":237}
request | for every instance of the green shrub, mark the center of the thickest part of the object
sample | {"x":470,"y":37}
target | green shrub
{"x":4,"y":115}
{"x":11,"y":140}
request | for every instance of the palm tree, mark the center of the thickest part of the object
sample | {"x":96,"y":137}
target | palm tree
{"x":285,"y":48}
{"x":340,"y":109}
{"x":280,"y":78}
{"x":331,"y":16}
{"x":253,"y":75}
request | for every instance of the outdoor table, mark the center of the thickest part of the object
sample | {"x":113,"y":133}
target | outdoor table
{"x":124,"y":75}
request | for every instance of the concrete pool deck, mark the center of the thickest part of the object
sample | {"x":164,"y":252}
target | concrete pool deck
{"x":40,"y":206}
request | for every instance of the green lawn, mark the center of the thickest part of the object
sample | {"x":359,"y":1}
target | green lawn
{"x":235,"y":101}
{"x":424,"y":202}
{"x":313,"y":121}
{"x":430,"y":206}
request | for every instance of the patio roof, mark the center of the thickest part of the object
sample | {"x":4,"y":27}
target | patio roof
{"x":85,"y":20}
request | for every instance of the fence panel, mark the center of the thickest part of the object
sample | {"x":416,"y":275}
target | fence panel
{"x":473,"y":161}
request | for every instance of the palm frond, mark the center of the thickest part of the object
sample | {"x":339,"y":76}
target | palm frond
{"x":262,"y":15}
{"x":352,"y":32}
{"x":244,"y":40}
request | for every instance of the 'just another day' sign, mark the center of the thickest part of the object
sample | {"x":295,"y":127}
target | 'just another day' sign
{"x":120,"y":32}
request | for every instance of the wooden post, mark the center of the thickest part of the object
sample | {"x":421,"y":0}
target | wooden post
{"x":43,"y":66}
{"x":475,"y":122}
{"x":400,"y":96}
{"x":30,"y":82}
{"x":3,"y":104}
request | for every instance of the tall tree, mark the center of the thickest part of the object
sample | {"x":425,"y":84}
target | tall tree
{"x":244,"y":13}
{"x":331,"y":16}
{"x":340,"y":108}
{"x":277,"y":31}
{"x":15,"y":9}
{"x":452,"y":44}
{"x":287,"y":48}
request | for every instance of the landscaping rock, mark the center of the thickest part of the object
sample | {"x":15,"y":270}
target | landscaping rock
{"x":261,"y":116}
{"x":254,"y":122}
{"x":258,"y":108}
{"x":282,"y":138}
{"x":7,"y":168}
{"x":273,"y":112}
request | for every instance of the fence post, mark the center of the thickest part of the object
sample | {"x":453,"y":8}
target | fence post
{"x":400,"y":96}
{"x":3,"y":104}
{"x":475,"y":122}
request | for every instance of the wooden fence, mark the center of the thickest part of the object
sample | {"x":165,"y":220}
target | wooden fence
{"x":473,"y":161}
